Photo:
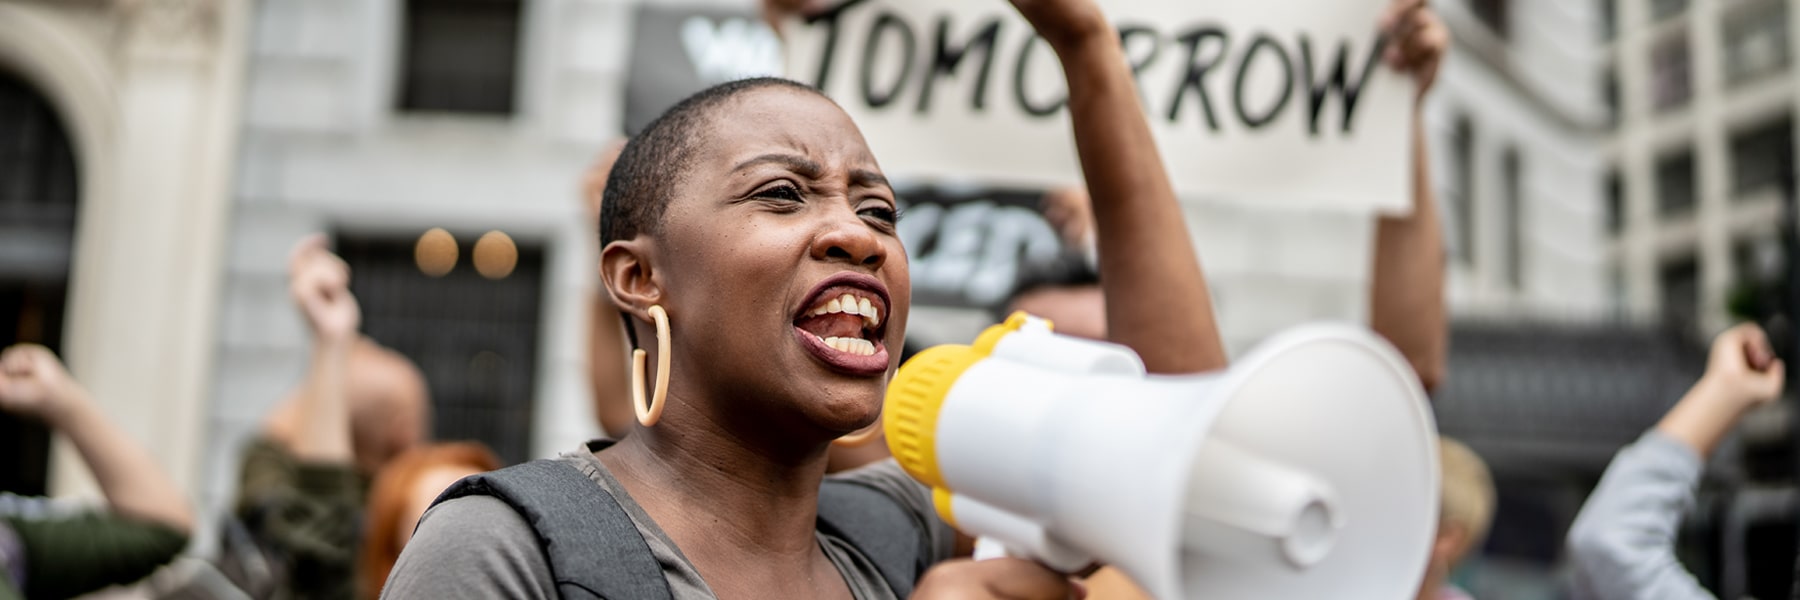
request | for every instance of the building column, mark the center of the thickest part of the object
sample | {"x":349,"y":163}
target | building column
{"x":144,"y":287}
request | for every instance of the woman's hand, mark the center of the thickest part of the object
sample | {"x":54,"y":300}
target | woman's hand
{"x":1065,"y":23}
{"x":1416,"y":41}
{"x":996,"y":579}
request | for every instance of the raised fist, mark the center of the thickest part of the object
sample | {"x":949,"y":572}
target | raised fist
{"x":320,"y":284}
{"x":34,"y":383}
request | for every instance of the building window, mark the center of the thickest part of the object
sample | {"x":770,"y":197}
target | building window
{"x":1676,"y":191}
{"x":1615,"y":203}
{"x":1609,"y":94}
{"x":1762,"y":157}
{"x":37,"y":164}
{"x":1512,"y":174}
{"x":1670,"y":77}
{"x":1663,"y":9}
{"x":1491,"y":13}
{"x":1756,"y":42}
{"x":39,"y":192}
{"x":1609,"y":20}
{"x":460,"y":56}
{"x":1462,"y":196}
{"x":1680,"y":282}
{"x":1758,"y":259}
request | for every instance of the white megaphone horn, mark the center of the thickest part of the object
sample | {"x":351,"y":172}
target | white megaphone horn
{"x":1307,"y":470}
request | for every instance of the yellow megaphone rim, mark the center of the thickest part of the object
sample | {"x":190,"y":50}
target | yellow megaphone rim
{"x":916,"y":395}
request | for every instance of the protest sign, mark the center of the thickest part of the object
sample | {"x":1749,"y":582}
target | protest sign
{"x":967,"y":248}
{"x":1266,"y":102}
{"x":681,"y":49}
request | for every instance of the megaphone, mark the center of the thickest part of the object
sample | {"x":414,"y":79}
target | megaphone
{"x":1306,"y":470}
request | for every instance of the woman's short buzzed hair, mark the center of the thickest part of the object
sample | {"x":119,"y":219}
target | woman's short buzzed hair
{"x":652,"y":163}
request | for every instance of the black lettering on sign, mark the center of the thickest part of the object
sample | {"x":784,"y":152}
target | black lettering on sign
{"x":945,"y":58}
{"x":1338,"y":80}
{"x":1128,"y":35}
{"x":884,"y":23}
{"x":1025,"y":103}
{"x":1195,"y":76}
{"x":830,"y":19}
{"x":1261,"y":42}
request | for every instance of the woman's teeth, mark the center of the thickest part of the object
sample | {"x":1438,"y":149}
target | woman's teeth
{"x":857,"y":346}
{"x":851,"y":305}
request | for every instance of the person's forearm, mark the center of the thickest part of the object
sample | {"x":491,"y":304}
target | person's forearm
{"x":323,"y":435}
{"x":1702,"y":418}
{"x":134,"y":485}
{"x":1157,"y":302}
{"x":1407,"y":300}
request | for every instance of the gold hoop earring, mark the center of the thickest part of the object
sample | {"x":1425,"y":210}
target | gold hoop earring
{"x":859,"y":437}
{"x":648,"y":413}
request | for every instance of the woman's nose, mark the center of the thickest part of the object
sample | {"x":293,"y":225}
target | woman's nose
{"x":851,"y":240}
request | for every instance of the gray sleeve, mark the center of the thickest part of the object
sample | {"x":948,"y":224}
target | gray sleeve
{"x":1623,"y":542}
{"x":471,"y":547}
{"x":887,"y":477}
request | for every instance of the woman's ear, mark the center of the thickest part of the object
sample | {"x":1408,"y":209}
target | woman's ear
{"x":625,"y":271}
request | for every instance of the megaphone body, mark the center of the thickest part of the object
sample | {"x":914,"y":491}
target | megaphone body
{"x":1307,"y":470}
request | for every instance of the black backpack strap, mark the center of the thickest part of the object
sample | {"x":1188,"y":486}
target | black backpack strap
{"x":594,"y":549}
{"x":878,"y":527}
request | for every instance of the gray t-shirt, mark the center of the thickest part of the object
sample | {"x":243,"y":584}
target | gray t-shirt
{"x":479,"y":547}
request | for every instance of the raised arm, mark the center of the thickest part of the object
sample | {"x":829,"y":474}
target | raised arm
{"x":1742,"y":373}
{"x":1157,"y":302}
{"x":1407,"y":303}
{"x":34,"y":383}
{"x":320,"y":284}
{"x":1622,"y":544}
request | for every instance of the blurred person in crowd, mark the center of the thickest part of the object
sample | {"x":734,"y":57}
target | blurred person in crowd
{"x":1465,"y":512}
{"x":731,"y":228}
{"x":304,"y":479}
{"x":51,"y":551}
{"x":1622,"y":543}
{"x":400,"y":493}
{"x":606,"y":327}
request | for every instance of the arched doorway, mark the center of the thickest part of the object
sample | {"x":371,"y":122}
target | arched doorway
{"x":38,"y":192}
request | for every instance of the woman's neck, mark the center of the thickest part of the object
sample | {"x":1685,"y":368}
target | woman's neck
{"x":714,"y":489}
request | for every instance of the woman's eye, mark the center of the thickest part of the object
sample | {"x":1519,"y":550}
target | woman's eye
{"x":781,"y":192}
{"x":882,"y":213}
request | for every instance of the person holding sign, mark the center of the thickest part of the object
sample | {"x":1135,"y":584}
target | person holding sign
{"x":749,"y":234}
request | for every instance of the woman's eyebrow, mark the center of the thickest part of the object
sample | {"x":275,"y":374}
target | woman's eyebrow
{"x":798,"y":164}
{"x":868,"y":178}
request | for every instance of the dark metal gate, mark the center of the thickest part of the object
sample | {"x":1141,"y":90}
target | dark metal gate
{"x":475,"y":338}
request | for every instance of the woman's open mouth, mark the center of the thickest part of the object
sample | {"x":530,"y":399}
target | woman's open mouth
{"x":843,"y":325}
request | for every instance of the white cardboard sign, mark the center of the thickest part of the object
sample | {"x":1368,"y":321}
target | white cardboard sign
{"x":1263,"y":102}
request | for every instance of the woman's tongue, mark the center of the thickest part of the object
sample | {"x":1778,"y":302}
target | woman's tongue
{"x":832,"y":325}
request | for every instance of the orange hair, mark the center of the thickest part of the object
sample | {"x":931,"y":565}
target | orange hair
{"x":389,"y":497}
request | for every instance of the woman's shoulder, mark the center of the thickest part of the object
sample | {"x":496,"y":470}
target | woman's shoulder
{"x":887,"y":477}
{"x":913,"y":499}
{"x":471,"y":546}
